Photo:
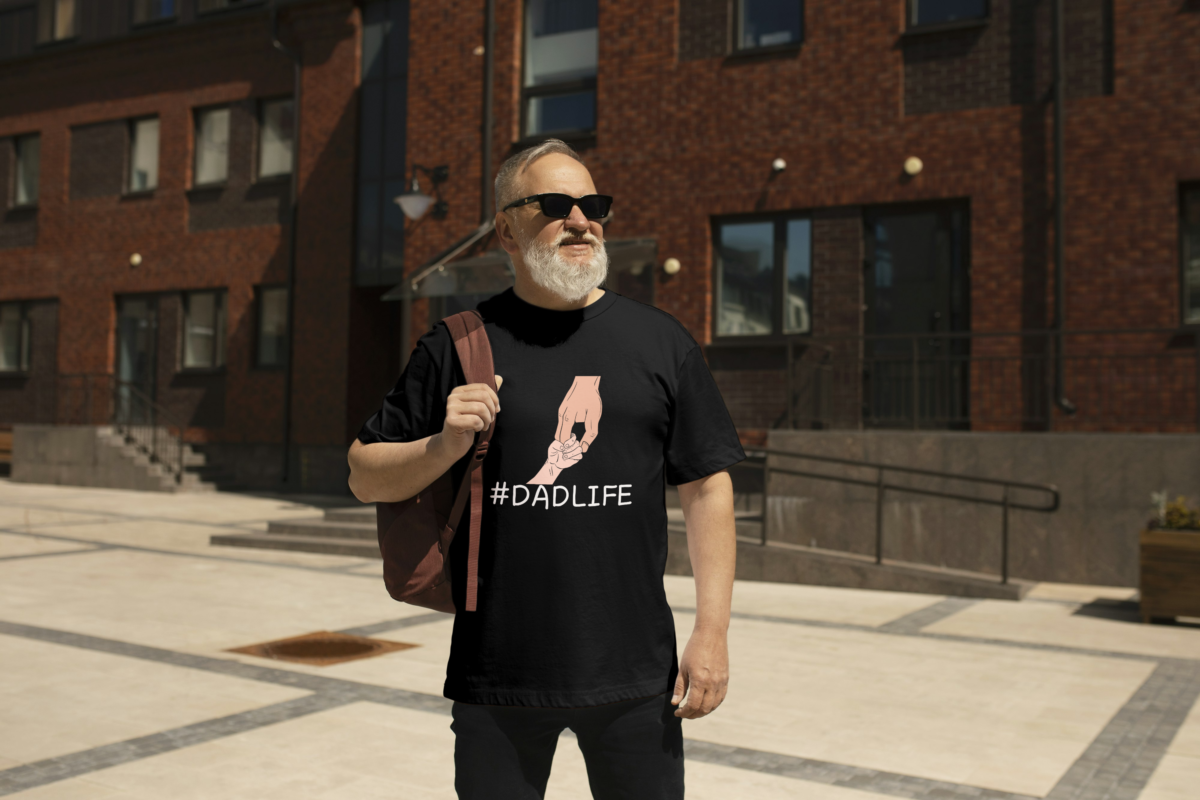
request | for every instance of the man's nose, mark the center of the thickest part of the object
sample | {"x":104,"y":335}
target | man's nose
{"x":576,"y":221}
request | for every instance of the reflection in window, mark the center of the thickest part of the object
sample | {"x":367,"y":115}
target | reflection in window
{"x":932,"y":12}
{"x":203,"y":329}
{"x":275,"y":138}
{"x":56,"y":20}
{"x":153,"y":10}
{"x":272,"y":326}
{"x":1191,"y":253}
{"x":14,"y":338}
{"x":28,"y":158}
{"x":212,"y":146}
{"x":769,"y":23}
{"x":561,"y":48}
{"x":143,"y":155}
{"x":764,"y":276}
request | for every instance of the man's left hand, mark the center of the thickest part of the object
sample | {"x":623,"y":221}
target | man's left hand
{"x":703,"y":674}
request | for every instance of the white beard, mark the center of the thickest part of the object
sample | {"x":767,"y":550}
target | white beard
{"x":549,"y":270}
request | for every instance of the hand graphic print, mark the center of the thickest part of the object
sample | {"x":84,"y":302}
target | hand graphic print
{"x":582,"y":404}
{"x":559,"y":456}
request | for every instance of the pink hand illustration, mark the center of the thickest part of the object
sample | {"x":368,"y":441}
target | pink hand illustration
{"x":582,"y":404}
{"x":559,"y":456}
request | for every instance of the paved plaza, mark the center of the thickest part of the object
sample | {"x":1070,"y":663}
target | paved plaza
{"x":116,"y":617}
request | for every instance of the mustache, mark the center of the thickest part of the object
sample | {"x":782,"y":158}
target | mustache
{"x":568,"y":239}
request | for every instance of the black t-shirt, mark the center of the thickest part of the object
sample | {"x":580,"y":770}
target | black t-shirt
{"x":573,"y":543}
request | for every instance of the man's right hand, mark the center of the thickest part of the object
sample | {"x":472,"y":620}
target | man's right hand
{"x":469,"y":409}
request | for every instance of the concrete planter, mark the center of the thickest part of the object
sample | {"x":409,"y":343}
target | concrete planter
{"x":1169,"y":573}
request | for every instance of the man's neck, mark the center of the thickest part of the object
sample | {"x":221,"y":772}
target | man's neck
{"x":539,"y":296}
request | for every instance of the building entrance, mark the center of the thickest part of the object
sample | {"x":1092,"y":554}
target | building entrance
{"x":137,"y":328}
{"x":915,"y":370}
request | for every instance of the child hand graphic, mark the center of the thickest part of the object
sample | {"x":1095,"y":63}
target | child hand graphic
{"x":582,"y":404}
{"x":559,"y":456}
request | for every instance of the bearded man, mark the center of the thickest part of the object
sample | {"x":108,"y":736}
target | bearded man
{"x":604,"y":398}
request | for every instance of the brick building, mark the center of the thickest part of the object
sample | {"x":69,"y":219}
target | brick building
{"x":898,"y":270}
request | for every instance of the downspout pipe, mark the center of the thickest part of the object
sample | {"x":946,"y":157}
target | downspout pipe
{"x":489,"y":74}
{"x":1060,"y":93}
{"x":294,"y":199}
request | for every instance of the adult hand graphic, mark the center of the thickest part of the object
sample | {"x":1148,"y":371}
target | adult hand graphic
{"x":582,"y":404}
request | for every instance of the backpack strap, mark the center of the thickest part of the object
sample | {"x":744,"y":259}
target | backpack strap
{"x":475,"y":354}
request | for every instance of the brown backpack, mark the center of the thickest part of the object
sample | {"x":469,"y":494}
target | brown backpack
{"x":415,"y":534}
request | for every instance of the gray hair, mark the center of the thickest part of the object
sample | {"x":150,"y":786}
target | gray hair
{"x":510,"y":170}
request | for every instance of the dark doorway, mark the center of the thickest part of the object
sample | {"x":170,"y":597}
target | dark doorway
{"x":915,"y":369}
{"x":137,"y":335}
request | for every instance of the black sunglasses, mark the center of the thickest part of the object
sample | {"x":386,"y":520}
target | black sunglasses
{"x":558,"y":206}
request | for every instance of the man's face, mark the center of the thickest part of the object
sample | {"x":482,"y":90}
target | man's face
{"x":566,"y":257}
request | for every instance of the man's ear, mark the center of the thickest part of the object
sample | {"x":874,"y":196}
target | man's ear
{"x":505,"y":234}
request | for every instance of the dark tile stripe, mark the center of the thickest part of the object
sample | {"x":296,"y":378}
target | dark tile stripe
{"x":49,"y":553}
{"x":398,"y":624}
{"x":923,"y":617}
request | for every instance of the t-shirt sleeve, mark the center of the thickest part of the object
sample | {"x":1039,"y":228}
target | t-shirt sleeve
{"x":416,"y":405}
{"x":701,"y":438}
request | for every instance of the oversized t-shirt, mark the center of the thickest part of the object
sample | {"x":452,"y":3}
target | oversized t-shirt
{"x":573,"y":542}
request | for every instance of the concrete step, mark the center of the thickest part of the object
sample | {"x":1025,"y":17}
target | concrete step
{"x":303,"y":544}
{"x":322,"y":527}
{"x":363,"y":515}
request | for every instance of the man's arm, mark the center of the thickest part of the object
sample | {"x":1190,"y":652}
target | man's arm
{"x":393,"y":471}
{"x":712,"y":544}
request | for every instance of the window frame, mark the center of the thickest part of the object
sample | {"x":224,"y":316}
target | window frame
{"x":260,"y":110}
{"x":135,"y":23}
{"x":552,"y":89}
{"x":911,"y":25}
{"x":220,"y":331}
{"x":735,"y":35}
{"x":24,"y":342}
{"x":13,"y":203}
{"x":225,"y":7}
{"x":52,"y":5}
{"x":197,"y":112}
{"x":131,"y":142}
{"x":780,"y":220}
{"x":1185,"y":189}
{"x":259,"y":289}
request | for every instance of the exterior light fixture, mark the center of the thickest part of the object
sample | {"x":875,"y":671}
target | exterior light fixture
{"x":135,"y":259}
{"x":414,"y":203}
{"x":671,"y":266}
{"x":778,"y":165}
{"x":913,"y":165}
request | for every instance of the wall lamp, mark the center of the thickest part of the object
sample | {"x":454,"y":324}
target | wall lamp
{"x":414,"y":203}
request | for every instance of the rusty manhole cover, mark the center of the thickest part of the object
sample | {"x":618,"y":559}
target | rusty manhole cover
{"x":322,"y":648}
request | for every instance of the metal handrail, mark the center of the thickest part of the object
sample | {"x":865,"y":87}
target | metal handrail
{"x":161,"y":445}
{"x":881,"y":486}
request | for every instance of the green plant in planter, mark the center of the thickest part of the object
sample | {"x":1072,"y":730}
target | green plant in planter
{"x":1174,"y":514}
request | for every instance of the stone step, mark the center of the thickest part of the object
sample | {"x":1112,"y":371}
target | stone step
{"x":322,"y":527}
{"x":363,"y":515}
{"x":303,"y":544}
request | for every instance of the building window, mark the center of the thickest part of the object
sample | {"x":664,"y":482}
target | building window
{"x":218,"y":5}
{"x":763,"y":276}
{"x":143,"y":154}
{"x":56,"y":20}
{"x":935,"y":12}
{"x":1190,"y":252}
{"x":272,"y":326}
{"x":561,"y":41}
{"x":14,"y":338}
{"x":212,"y":146}
{"x":768,"y":23}
{"x":275,"y":126}
{"x":203,"y":329}
{"x":28,"y":153}
{"x":154,"y":10}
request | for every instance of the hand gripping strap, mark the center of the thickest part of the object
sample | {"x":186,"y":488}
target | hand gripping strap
{"x":475,"y":355}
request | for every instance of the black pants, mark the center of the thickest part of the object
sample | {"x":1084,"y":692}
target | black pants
{"x":633,"y":749}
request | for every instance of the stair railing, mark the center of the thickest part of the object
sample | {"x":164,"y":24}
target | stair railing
{"x":1006,"y":501}
{"x":148,"y":426}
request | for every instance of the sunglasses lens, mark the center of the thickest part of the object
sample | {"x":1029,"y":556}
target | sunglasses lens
{"x":557,"y":205}
{"x":594,"y":206}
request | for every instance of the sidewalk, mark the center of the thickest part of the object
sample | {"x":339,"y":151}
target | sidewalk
{"x":116,"y":614}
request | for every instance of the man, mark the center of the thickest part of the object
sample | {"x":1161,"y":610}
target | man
{"x":601,"y":396}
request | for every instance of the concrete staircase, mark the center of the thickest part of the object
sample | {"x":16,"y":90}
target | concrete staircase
{"x":139,"y":468}
{"x":351,"y":531}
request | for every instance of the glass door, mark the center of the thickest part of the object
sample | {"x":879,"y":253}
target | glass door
{"x":137,"y":327}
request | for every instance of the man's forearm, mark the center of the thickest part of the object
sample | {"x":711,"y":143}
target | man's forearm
{"x":712,"y":546}
{"x":394,"y":471}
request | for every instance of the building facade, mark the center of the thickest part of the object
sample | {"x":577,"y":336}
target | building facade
{"x":851,"y":205}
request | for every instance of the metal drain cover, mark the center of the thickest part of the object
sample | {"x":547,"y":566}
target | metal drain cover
{"x":322,"y":648}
